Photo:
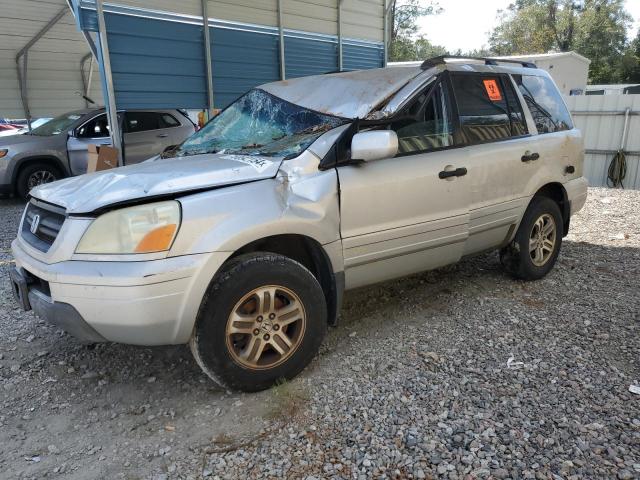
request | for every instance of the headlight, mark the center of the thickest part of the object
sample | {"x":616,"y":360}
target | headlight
{"x":141,"y":229}
{"x":3,"y":152}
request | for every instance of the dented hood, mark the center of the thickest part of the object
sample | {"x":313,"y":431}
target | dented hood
{"x":155,"y":179}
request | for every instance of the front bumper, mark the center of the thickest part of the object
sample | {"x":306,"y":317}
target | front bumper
{"x":62,"y":315}
{"x":141,"y":303}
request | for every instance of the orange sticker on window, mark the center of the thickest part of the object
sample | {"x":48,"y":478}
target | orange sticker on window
{"x":492,"y":89}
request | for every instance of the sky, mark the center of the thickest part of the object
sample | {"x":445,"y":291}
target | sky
{"x":465,"y":24}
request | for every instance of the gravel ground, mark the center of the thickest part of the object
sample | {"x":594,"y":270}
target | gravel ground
{"x":458,"y":373}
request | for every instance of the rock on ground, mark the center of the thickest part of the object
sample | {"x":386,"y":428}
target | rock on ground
{"x":458,"y":373}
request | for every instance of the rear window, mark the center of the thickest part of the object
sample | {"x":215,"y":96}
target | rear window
{"x":141,"y":121}
{"x":167,"y":121}
{"x":488,"y":108}
{"x":545,"y":103}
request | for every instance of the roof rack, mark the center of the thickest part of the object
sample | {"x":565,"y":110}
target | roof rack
{"x":441,"y":60}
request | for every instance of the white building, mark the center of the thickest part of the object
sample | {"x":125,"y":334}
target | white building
{"x":569,"y":70}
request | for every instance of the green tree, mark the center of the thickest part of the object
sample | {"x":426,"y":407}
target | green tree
{"x":405,"y":42}
{"x":630,"y":69}
{"x":594,"y":28}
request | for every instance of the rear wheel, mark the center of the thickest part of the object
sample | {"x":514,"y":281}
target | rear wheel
{"x":263,"y":320}
{"x":536,"y":246}
{"x":35,"y":174}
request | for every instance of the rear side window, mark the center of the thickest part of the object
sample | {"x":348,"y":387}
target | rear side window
{"x":167,"y":121}
{"x":545,"y":103}
{"x":488,"y":108}
{"x":142,"y":121}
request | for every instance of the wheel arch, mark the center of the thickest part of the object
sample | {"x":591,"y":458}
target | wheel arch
{"x":25,"y":161}
{"x":556,"y":192}
{"x":310,"y":253}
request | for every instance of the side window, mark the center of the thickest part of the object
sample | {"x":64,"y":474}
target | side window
{"x":545,"y":103}
{"x":95,"y":128}
{"x":426,"y":127}
{"x":141,"y":121}
{"x":167,"y":121}
{"x":488,"y":108}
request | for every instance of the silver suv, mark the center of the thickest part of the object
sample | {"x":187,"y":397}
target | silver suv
{"x":58,"y":148}
{"x":243,"y":244}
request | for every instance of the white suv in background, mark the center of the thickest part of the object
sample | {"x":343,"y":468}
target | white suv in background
{"x":243,"y":244}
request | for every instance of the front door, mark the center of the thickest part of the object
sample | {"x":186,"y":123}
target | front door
{"x":93,"y":132}
{"x":409,"y":213}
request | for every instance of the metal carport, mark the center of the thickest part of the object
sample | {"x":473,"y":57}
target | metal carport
{"x":42,"y":55}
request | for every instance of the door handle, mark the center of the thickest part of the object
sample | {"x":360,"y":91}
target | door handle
{"x":458,"y":172}
{"x":530,"y":157}
{"x":163,"y":135}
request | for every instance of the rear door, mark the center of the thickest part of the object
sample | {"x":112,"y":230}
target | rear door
{"x":559,"y":144}
{"x":145,"y":135}
{"x":408,"y":213}
{"x":502,"y":155}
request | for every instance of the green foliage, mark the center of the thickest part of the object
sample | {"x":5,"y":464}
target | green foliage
{"x":594,"y":28}
{"x":630,"y":63}
{"x":406,"y":44}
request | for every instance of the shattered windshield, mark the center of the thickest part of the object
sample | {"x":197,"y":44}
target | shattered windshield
{"x":259,"y":123}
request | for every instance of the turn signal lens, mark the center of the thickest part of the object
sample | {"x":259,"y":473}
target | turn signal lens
{"x":157,"y":240}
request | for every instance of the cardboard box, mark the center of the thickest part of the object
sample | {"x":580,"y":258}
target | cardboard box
{"x":102,"y":157}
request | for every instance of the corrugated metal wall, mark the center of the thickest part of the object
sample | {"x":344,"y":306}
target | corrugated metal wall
{"x":601,"y":119}
{"x":157,"y":57}
{"x":53,"y":79}
{"x":361,"y":19}
{"x":156,"y":66}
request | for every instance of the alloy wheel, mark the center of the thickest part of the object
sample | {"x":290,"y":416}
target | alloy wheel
{"x":40,"y":177}
{"x":265,"y":327}
{"x":542,"y":239}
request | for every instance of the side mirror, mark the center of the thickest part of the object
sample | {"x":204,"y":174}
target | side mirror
{"x":71,"y":133}
{"x":374,"y":145}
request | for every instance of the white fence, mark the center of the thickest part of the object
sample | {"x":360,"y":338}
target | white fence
{"x":609,"y":123}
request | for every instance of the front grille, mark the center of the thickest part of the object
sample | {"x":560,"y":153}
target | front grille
{"x":50,"y":219}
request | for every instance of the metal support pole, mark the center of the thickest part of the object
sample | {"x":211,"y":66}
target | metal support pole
{"x":283,"y":69}
{"x":22,"y":71}
{"x":385,"y":34}
{"x":22,"y":83}
{"x":340,"y":50}
{"x":86,"y":78}
{"x":207,"y":56}
{"x":625,"y":129}
{"x":107,"y":83}
{"x":89,"y":80}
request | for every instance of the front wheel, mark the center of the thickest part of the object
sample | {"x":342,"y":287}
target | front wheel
{"x":536,"y":246}
{"x":35,"y":174}
{"x":262,"y":321}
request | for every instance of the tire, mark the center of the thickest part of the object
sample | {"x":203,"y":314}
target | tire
{"x":518,"y":258}
{"x":240,"y":297}
{"x":34,"y":174}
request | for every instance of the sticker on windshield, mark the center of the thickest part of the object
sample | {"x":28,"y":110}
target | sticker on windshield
{"x":259,"y":163}
{"x":492,"y":89}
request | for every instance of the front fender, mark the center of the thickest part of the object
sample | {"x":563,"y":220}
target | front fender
{"x":226,"y":219}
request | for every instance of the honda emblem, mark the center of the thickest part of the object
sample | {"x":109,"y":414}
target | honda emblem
{"x":35,"y":223}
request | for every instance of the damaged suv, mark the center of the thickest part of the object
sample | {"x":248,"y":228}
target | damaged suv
{"x":243,"y":242}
